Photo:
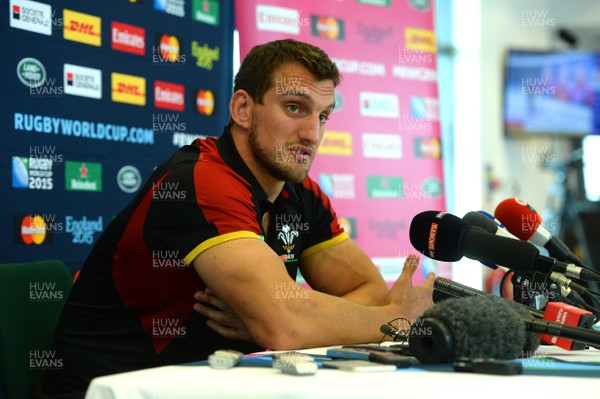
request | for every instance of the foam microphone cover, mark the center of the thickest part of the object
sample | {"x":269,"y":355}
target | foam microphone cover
{"x":483,"y":246}
{"x":473,"y":327}
{"x":518,"y":217}
{"x":478,"y":219}
{"x":427,"y":226}
{"x":532,"y":340}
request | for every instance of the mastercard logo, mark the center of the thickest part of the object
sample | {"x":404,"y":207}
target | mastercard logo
{"x":33,"y":230}
{"x":169,"y":48}
{"x":428,"y":148}
{"x":328,"y":27}
{"x":349,"y":225}
{"x":205,"y":102}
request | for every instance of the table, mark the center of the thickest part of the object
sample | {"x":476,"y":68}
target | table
{"x":439,"y":381}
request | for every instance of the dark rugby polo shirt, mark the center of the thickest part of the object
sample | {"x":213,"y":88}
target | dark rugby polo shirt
{"x":131,"y":306}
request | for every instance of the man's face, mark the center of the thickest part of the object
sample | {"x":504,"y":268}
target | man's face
{"x":288,"y":126}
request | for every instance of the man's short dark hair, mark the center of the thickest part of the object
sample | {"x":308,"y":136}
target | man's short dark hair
{"x":256,"y":72}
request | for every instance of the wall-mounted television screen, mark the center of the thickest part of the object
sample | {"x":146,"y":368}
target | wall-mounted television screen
{"x":552,"y":93}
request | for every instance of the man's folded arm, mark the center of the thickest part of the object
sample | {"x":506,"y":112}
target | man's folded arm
{"x":252,"y":280}
{"x":345,"y":270}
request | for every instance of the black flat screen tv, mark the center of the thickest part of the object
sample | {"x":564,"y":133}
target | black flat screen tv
{"x":551,"y":93}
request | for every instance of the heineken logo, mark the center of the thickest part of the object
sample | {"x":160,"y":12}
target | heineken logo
{"x":83,"y":176}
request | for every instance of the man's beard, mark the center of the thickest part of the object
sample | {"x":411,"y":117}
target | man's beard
{"x":276,"y":162}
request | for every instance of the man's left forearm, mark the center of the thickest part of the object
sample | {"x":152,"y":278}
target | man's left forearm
{"x":371,"y":293}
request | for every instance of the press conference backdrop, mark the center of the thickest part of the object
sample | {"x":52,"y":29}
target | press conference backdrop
{"x":94,"y":95}
{"x":380,"y":159}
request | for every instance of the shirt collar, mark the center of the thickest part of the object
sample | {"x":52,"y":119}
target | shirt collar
{"x":233,"y":159}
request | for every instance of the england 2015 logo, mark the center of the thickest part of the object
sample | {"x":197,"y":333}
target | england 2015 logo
{"x":83,"y":229}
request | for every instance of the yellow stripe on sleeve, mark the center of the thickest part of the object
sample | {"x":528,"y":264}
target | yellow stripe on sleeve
{"x":323,"y":245}
{"x":211,"y":242}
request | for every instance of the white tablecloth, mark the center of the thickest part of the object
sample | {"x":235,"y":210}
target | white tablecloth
{"x":194,"y":382}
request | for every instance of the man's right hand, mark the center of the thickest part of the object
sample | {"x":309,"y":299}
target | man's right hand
{"x":220,"y":318}
{"x":411,"y":300}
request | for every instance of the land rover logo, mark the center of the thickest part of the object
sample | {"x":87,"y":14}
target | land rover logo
{"x":129,"y":179}
{"x":421,"y":5}
{"x":31,"y":72}
{"x":339,"y":101}
{"x":433,"y":187}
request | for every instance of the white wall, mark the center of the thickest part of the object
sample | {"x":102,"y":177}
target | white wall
{"x":502,"y":28}
{"x":481,"y":33}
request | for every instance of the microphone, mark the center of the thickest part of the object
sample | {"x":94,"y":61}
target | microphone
{"x":526,"y":223}
{"x":576,"y":331}
{"x":445,"y":237}
{"x":490,"y":224}
{"x":487,"y":222}
{"x":582,"y":335}
{"x":483,"y":327}
{"x":472,"y":327}
{"x":445,"y":289}
{"x":388,"y":330}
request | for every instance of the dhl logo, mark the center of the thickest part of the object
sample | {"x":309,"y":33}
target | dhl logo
{"x":420,"y":40}
{"x":128,"y":89}
{"x":83,"y":28}
{"x":336,"y":143}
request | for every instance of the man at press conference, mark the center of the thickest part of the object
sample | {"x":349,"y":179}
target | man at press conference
{"x":222,"y":209}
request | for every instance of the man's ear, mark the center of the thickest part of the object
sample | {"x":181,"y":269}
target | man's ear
{"x":240,"y":108}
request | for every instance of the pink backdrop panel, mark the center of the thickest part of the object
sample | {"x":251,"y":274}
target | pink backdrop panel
{"x":380,"y":159}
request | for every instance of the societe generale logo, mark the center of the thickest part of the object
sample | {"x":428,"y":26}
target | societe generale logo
{"x":128,"y":38}
{"x":31,"y":16}
{"x":83,"y":28}
{"x":128,"y":89}
{"x":169,"y":96}
{"x":82,"y":81}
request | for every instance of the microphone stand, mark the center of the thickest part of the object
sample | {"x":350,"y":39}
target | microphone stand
{"x":535,"y":291}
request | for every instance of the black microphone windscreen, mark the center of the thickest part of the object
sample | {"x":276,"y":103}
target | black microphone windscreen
{"x":478,"y":219}
{"x":479,"y":327}
{"x":386,"y":329}
{"x":516,"y":254}
{"x":532,"y":339}
{"x":426,"y":227}
{"x":444,"y":288}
